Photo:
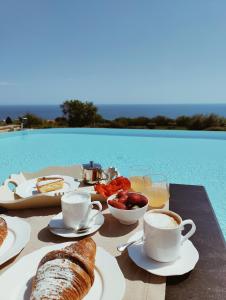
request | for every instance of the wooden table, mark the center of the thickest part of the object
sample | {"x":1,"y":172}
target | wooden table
{"x":206,"y":281}
{"x":139,"y":283}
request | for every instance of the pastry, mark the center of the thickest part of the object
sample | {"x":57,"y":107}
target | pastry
{"x":49,"y":184}
{"x":66,"y":274}
{"x":3,"y":230}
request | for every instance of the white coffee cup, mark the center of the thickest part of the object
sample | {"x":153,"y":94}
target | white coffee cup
{"x":76,"y":208}
{"x":162,"y":234}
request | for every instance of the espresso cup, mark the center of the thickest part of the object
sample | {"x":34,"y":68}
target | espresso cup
{"x":163,"y":234}
{"x":76,"y":208}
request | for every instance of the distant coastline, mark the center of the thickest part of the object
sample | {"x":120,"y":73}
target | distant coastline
{"x":112,"y":111}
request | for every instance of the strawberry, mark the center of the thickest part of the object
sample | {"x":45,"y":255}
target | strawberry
{"x":123,"y":194}
{"x":137,"y":199}
{"x":116,"y":204}
{"x":123,"y":199}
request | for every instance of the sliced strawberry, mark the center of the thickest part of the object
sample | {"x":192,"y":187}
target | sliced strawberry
{"x":116,"y":204}
{"x":137,"y":199}
{"x":122,"y":193}
{"x":122,"y":199}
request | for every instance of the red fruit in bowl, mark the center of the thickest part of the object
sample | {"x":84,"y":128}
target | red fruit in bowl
{"x":129,"y":205}
{"x":123,"y":199}
{"x":112,"y":202}
{"x":122,"y":194}
{"x":137,"y":199}
{"x":134,"y":198}
{"x":116,"y":204}
{"x":142,"y":202}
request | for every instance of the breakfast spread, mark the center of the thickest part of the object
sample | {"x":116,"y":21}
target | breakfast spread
{"x":49,"y":184}
{"x":128,"y":200}
{"x":3,"y":230}
{"x":67,"y":273}
{"x":115,"y":185}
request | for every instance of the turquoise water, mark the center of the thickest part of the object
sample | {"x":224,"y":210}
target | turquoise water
{"x":184,"y":156}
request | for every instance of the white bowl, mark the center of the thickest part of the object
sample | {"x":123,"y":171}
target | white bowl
{"x":126,"y":217}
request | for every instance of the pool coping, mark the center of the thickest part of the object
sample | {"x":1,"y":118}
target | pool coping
{"x":154,"y":133}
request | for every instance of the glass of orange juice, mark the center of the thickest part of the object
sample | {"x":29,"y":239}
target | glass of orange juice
{"x":158,"y":191}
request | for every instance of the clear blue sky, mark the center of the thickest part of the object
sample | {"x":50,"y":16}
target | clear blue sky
{"x":112,"y":51}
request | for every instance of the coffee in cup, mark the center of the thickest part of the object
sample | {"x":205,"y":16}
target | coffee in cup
{"x":162,"y":220}
{"x":162,"y":234}
{"x":76,"y":208}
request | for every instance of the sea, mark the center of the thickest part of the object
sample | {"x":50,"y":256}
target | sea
{"x":112,"y":111}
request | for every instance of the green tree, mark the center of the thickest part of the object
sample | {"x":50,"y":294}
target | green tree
{"x":197,"y":122}
{"x":119,"y":123}
{"x":80,"y":114}
{"x":161,"y":120}
{"x":139,"y":121}
{"x":183,"y":121}
{"x":61,"y":121}
{"x":213,"y":120}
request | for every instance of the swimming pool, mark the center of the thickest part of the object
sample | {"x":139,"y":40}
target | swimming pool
{"x":186,"y":157}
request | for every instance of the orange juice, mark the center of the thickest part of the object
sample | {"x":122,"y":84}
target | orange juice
{"x":157,"y":195}
{"x":140,"y":183}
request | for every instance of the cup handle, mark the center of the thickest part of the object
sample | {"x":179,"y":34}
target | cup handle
{"x":190,"y":232}
{"x":87,"y":220}
{"x":98,"y":204}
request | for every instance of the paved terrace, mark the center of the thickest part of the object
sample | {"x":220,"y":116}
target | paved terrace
{"x":8,"y":128}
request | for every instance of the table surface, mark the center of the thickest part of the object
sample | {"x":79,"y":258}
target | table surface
{"x":139,"y":283}
{"x":206,"y":281}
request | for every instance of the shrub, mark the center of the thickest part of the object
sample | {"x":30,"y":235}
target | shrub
{"x":8,"y":121}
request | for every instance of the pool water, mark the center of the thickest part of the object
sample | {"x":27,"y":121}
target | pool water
{"x":184,"y":156}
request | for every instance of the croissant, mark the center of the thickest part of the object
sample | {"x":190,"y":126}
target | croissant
{"x":3,"y":230}
{"x":65,"y":274}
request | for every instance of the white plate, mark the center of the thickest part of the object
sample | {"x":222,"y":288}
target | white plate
{"x":28,"y":188}
{"x":185,"y":263}
{"x":57,"y":221}
{"x":17,"y":237}
{"x":109,"y":283}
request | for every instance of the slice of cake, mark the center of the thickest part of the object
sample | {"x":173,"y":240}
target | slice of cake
{"x":49,"y":184}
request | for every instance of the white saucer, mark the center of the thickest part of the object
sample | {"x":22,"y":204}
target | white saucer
{"x":57,"y":221}
{"x":185,"y":263}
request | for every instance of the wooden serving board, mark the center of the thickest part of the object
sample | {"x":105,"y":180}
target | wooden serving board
{"x":10,"y":200}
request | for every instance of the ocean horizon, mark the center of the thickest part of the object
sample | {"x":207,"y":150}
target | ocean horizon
{"x":112,"y":111}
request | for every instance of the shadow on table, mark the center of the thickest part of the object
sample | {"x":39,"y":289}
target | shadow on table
{"x":132,"y":272}
{"x":32,"y":212}
{"x":36,"y":212}
{"x":9,"y":262}
{"x":27,"y":292}
{"x":45,"y":235}
{"x":174,"y":280}
{"x":112,"y":227}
